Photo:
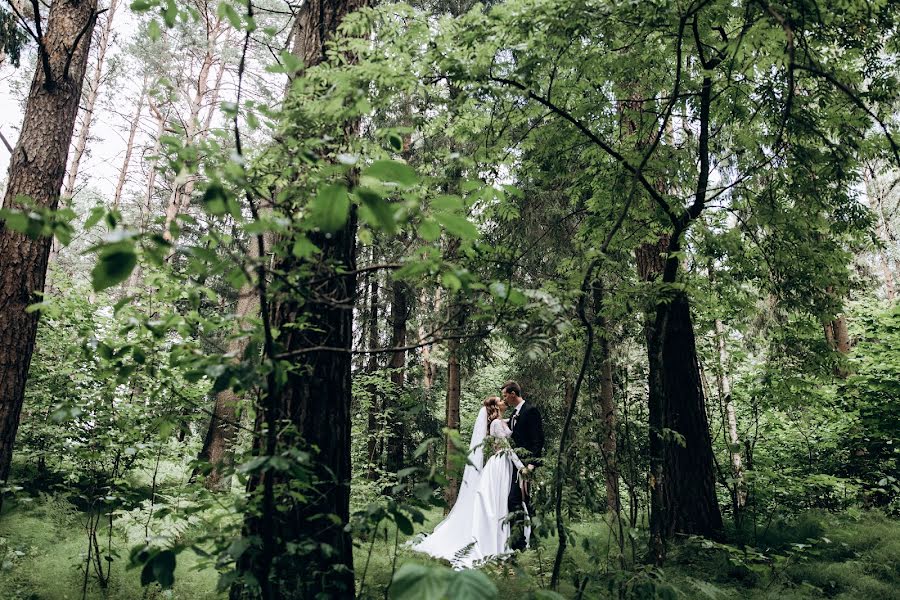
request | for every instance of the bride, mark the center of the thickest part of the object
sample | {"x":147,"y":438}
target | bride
{"x":477,"y":527}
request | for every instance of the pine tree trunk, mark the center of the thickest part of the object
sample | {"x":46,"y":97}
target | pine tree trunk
{"x":37,"y":167}
{"x":399,"y":317}
{"x":372,"y":369}
{"x":315,"y":398}
{"x":428,"y":367}
{"x":194,"y":133}
{"x":875,"y":197}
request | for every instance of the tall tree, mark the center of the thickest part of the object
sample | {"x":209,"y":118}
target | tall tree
{"x":400,"y":307}
{"x":36,"y":172}
{"x":314,"y":311}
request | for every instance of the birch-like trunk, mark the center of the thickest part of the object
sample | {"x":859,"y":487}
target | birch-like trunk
{"x":194,"y":132}
{"x":129,"y":147}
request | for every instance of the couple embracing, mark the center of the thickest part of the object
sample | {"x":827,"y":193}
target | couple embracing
{"x":493,"y":509}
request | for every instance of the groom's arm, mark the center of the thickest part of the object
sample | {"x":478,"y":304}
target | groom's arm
{"x":540,"y":433}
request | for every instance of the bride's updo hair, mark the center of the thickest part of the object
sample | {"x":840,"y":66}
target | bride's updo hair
{"x":492,"y":404}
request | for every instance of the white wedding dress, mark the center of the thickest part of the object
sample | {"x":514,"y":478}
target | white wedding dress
{"x":476,"y":527}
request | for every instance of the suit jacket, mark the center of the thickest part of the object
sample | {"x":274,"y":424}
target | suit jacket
{"x":528,"y":433}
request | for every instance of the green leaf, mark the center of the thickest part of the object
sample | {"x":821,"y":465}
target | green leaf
{"x":94,"y":216}
{"x":15,"y":220}
{"x":153,"y":30}
{"x":471,"y":585}
{"x":330,"y":208}
{"x":141,"y":5}
{"x":403,"y":524}
{"x":164,"y":568}
{"x":451,"y":281}
{"x":457,"y":225}
{"x":418,"y":582}
{"x":113,"y":267}
{"x":170,"y":12}
{"x":303,"y":248}
{"x":429,"y":230}
{"x":447,"y":203}
{"x":376,"y":211}
{"x":392,"y":171}
{"x":215,"y":200}
{"x":227,"y":10}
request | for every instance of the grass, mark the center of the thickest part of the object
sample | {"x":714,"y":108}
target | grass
{"x":848,"y":556}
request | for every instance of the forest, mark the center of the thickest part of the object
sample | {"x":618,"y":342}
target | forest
{"x":266,"y":267}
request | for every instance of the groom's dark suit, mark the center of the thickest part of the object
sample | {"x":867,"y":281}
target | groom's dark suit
{"x":528,"y":435}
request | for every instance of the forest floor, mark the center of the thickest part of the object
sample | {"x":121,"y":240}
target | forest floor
{"x":852,"y":555}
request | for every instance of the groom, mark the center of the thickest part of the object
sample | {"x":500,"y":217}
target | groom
{"x":528,"y":440}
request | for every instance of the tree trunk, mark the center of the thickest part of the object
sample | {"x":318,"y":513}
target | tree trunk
{"x":90,"y":100}
{"x":372,"y":369}
{"x":129,"y":147}
{"x":314,"y":399}
{"x":608,"y":408}
{"x":723,"y":383}
{"x":875,"y":197}
{"x":161,"y":119}
{"x":37,"y":167}
{"x":399,"y":317}
{"x":182,"y":190}
{"x":682,"y":479}
{"x":218,"y":445}
{"x":428,"y":367}
{"x":452,"y":414}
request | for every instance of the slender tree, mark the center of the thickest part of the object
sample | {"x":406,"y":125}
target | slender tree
{"x":133,"y":127}
{"x":400,"y":308}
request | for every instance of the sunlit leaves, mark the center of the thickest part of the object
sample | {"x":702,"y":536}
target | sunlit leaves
{"x":429,"y":230}
{"x":457,"y":225}
{"x":391,"y":171}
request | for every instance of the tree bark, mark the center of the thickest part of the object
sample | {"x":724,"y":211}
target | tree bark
{"x":399,"y":318}
{"x":218,"y":444}
{"x":314,"y":399}
{"x":37,"y":167}
{"x":608,"y":409}
{"x":372,"y":369}
{"x":452,"y":418}
{"x":723,"y":383}
{"x":682,"y":479}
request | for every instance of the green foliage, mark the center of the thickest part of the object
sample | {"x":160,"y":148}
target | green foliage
{"x":874,"y":391}
{"x":414,"y":581}
{"x":12,"y":38}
